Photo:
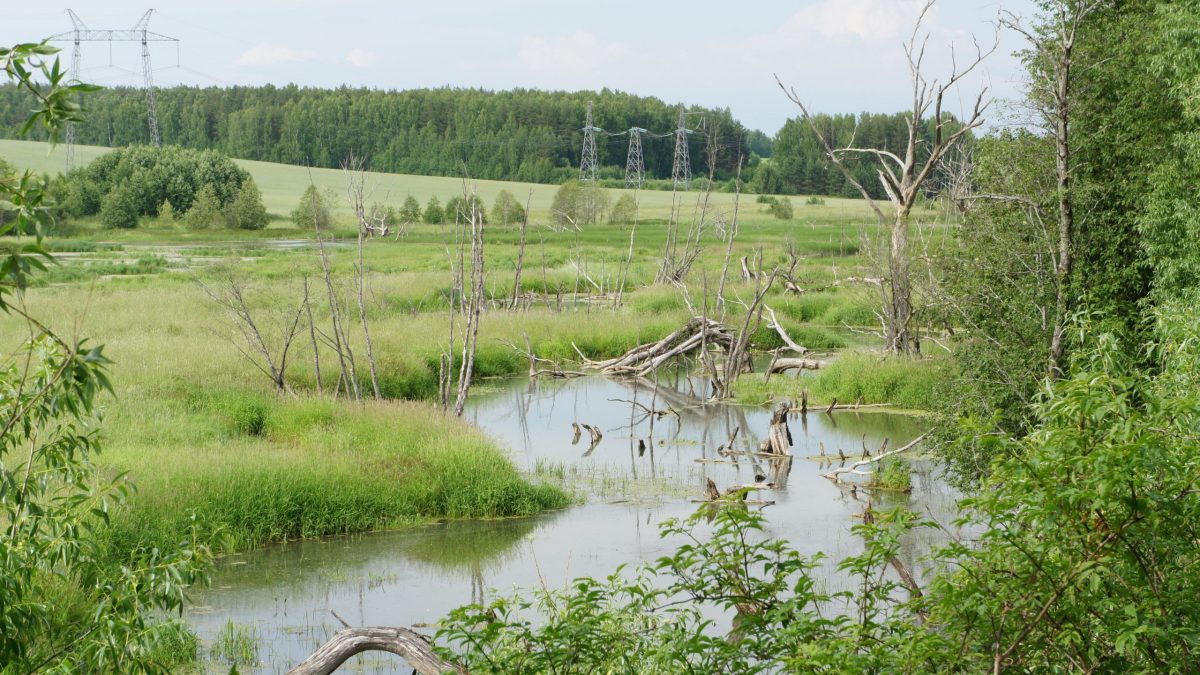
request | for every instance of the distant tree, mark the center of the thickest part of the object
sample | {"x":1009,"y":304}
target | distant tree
{"x":578,"y":204}
{"x":8,"y":177}
{"x":458,"y":209}
{"x":410,"y":212}
{"x":313,"y":210}
{"x":205,"y":211}
{"x":119,"y":208}
{"x":507,"y":209}
{"x":247,"y":211}
{"x":434,"y":215}
{"x":625,"y":210}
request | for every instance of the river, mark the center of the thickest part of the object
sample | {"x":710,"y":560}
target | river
{"x":643,"y":471}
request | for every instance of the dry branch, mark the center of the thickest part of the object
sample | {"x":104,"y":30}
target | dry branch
{"x":836,"y":474}
{"x":413,"y":647}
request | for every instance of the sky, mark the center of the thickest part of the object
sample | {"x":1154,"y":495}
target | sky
{"x":841,"y":56}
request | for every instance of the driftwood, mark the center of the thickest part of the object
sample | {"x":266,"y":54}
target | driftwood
{"x":644,"y":359}
{"x":855,"y":469}
{"x":413,"y":647}
{"x":596,"y":438}
{"x":784,"y":365}
{"x":852,"y":406}
{"x":779,"y":436}
{"x":576,"y":431}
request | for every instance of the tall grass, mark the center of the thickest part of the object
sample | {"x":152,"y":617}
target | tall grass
{"x":852,"y":377}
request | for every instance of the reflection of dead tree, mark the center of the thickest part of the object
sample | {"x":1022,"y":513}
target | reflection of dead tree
{"x":356,"y":184}
{"x":257,"y":349}
{"x":904,"y":177}
{"x":856,"y":469}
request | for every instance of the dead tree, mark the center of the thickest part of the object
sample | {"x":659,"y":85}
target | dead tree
{"x":1052,"y":54}
{"x":413,"y":647}
{"x":267,"y":353}
{"x":904,"y":177}
{"x":339,"y":340}
{"x":473,"y":303}
{"x":356,"y":179}
{"x":779,"y":436}
{"x":732,"y":235}
{"x":521,"y":254}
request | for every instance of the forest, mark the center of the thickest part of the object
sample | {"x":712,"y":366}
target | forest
{"x":946,"y":424}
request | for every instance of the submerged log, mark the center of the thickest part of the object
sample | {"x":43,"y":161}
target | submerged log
{"x":409,"y":645}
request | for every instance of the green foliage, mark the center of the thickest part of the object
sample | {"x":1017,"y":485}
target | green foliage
{"x":815,"y":201}
{"x":782,"y":209}
{"x":577,"y":204}
{"x":205,"y":210}
{"x":247,"y":211}
{"x":893,"y":473}
{"x":506,"y":210}
{"x":236,"y":644}
{"x":166,"y":213}
{"x":313,"y":210}
{"x":410,"y":212}
{"x":157,"y":174}
{"x":119,"y":208}
{"x":63,"y":606}
{"x":434,"y":215}
{"x":625,"y":211}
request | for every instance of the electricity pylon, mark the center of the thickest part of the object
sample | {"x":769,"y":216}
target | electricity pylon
{"x":635,"y":166}
{"x":681,"y":171}
{"x":139,"y":33}
{"x":587,"y":159}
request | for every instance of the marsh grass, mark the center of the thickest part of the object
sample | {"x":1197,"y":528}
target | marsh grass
{"x":235,"y":645}
{"x":906,"y":383}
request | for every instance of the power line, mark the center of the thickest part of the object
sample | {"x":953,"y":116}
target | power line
{"x":587,"y":159}
{"x":635,"y":167}
{"x":140,"y":32}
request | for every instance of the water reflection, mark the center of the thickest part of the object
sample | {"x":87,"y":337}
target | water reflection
{"x":660,"y":446}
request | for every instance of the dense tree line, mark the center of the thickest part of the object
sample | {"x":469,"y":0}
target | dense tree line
{"x":525,"y":135}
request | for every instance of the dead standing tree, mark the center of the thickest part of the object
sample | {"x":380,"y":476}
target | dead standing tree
{"x":339,"y":341}
{"x":904,"y":177}
{"x":265,"y":352}
{"x":368,"y":224}
{"x":469,"y":301}
{"x":1052,"y":56}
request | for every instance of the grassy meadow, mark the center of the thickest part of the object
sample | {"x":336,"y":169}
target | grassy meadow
{"x":202,"y":434}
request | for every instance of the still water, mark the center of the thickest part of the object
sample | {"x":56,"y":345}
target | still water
{"x":643,"y":471}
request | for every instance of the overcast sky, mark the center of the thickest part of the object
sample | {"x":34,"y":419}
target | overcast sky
{"x":841,"y":55}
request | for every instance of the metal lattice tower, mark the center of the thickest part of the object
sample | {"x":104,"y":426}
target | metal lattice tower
{"x":635,"y":166}
{"x":681,"y":171}
{"x":587,"y":160}
{"x":139,"y":33}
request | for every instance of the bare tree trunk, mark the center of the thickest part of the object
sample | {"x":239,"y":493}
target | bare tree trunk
{"x":899,"y":302}
{"x":474,"y":309}
{"x":733,"y":231}
{"x":312,"y":335}
{"x":521,"y":254}
{"x":413,"y":647}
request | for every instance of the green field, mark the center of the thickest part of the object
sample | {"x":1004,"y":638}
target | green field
{"x":282,"y":185}
{"x":199,"y":430}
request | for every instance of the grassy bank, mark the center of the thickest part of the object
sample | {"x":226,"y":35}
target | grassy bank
{"x":905,"y":383}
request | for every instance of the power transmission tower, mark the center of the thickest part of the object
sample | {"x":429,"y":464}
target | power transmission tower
{"x":139,"y":33}
{"x":681,"y":172}
{"x":635,"y":167}
{"x":587,"y":160}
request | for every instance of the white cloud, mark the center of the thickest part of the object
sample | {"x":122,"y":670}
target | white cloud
{"x":266,"y":54}
{"x":360,"y":58}
{"x":867,"y":20}
{"x":578,"y":52}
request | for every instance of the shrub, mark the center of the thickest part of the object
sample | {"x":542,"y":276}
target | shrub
{"x":815,"y":201}
{"x":410,"y":212}
{"x":625,"y":210}
{"x":578,"y":204}
{"x":507,"y":209}
{"x":782,"y":209}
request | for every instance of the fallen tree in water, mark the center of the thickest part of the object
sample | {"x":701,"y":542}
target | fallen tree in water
{"x":645,"y":359}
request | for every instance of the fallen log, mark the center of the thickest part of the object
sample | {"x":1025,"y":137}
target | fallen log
{"x":784,"y":365}
{"x":645,"y":359}
{"x":836,"y":474}
{"x":409,"y":645}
